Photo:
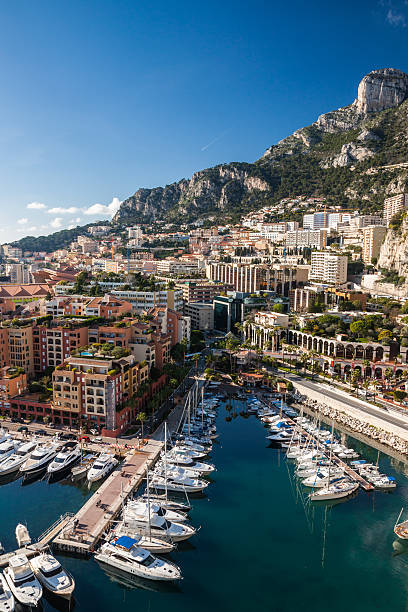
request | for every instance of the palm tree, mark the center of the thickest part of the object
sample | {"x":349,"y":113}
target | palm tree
{"x":141,"y":416}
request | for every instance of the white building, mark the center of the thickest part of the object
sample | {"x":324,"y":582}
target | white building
{"x":328,"y":268}
{"x":305,"y":238}
{"x":393,"y":205}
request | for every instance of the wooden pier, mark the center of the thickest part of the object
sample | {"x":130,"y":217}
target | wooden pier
{"x":83,"y":531}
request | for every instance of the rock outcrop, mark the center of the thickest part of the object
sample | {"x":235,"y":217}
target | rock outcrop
{"x":381,"y":89}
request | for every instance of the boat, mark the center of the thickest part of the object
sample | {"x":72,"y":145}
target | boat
{"x":52,"y":575}
{"x":337,"y":490}
{"x":14,"y":461}
{"x":7,"y":602}
{"x":81,"y":470}
{"x":140,"y":506}
{"x":401,"y":529}
{"x":150,"y":543}
{"x":181,"y":483}
{"x":22,"y":582}
{"x":22,"y":536}
{"x":165,"y":502}
{"x":67,"y":456}
{"x":7,"y":448}
{"x":203,"y":468}
{"x":39,"y":459}
{"x":322,"y":478}
{"x":151,"y":523}
{"x":101,"y":467}
{"x":124,"y":553}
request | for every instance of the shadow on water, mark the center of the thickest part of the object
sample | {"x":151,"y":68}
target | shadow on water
{"x":59,"y":603}
{"x":135,"y":582}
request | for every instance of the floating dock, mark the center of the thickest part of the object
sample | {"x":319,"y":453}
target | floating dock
{"x":82,"y":532}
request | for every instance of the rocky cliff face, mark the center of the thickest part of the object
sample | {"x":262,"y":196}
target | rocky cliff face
{"x":381,"y":89}
{"x":340,"y":155}
{"x":394,"y":251}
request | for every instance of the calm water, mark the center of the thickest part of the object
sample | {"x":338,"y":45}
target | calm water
{"x":260,"y":545}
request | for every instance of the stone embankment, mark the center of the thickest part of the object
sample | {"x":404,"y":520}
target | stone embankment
{"x":358,"y":425}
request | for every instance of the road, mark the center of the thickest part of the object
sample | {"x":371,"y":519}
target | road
{"x":351,"y":402}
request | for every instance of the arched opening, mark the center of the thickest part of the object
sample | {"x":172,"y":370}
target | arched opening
{"x":379,"y":353}
{"x":340,"y":350}
{"x":378,"y":373}
{"x":359,"y":351}
{"x":349,"y":351}
{"x":369,"y":353}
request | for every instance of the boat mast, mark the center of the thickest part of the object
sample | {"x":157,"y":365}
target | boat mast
{"x":165,"y":459}
{"x":148,"y":503}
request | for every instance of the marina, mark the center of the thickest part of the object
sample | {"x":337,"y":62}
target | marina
{"x":240,"y":482}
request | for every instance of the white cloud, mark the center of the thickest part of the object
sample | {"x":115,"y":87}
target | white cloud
{"x":78,"y":220}
{"x":104,"y":209}
{"x":396,"y":19}
{"x":59,"y":210}
{"x":27,"y":230}
{"x":36,"y":206}
{"x":22,"y":221}
{"x":56,"y":223}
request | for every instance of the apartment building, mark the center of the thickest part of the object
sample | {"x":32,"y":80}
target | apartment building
{"x":393,"y":205}
{"x":18,"y":273}
{"x":54,"y":344}
{"x":328,"y":267}
{"x":373,"y":237}
{"x":252,"y":278}
{"x":201,"y":315}
{"x":93,"y":389}
{"x":144,"y":300}
{"x":202,"y":291}
{"x":107,"y":306}
{"x":300,"y":239}
{"x":262,"y":331}
{"x":20,"y":348}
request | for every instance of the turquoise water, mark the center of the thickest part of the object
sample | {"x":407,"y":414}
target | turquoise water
{"x":260,"y":545}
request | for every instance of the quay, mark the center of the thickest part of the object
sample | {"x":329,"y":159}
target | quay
{"x":82,"y":532}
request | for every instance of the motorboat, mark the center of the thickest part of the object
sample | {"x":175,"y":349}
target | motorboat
{"x":150,"y":543}
{"x":322,"y":479}
{"x":383,"y":482}
{"x":7,"y":602}
{"x":52,"y":575}
{"x":102,"y":466}
{"x":22,"y":536}
{"x":139,"y":506}
{"x":14,"y":461}
{"x":39,"y":459}
{"x":177,"y":470}
{"x":80,"y":471}
{"x":166,"y":502}
{"x":158,"y":526}
{"x":125,"y":554}
{"x":22,"y":582}
{"x":7,"y":448}
{"x":183,"y":484}
{"x":341,"y":488}
{"x":69,"y":455}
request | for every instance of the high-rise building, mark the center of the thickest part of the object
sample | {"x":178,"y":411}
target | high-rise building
{"x":393,"y":205}
{"x":373,"y":237}
{"x":329,"y":267}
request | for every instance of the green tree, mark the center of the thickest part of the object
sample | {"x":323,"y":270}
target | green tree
{"x":141,"y":417}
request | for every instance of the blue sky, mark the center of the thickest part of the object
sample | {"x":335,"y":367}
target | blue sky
{"x":99,"y":98}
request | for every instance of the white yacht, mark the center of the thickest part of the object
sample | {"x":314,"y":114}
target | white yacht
{"x":22,"y":536}
{"x":150,"y":543}
{"x":14,"y":461}
{"x":42,"y":455}
{"x":69,"y":455}
{"x":176,"y":471}
{"x":101,"y":467}
{"x":22,"y":582}
{"x":7,"y":603}
{"x":124,"y":554}
{"x":166,"y":502}
{"x":178,"y":483}
{"x":337,"y":490}
{"x":52,"y":575}
{"x":139,"y":506}
{"x":7,"y":448}
{"x":158,"y":526}
{"x":322,"y":479}
{"x":203,"y":468}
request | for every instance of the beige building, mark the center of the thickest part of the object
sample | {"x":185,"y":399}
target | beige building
{"x":393,"y":205}
{"x":328,"y":268}
{"x":20,"y":348}
{"x":201,"y":315}
{"x":373,"y":237}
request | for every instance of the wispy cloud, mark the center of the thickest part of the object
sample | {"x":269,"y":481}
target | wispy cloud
{"x":396,"y":18}
{"x":36,"y":206}
{"x":216,"y":139}
{"x":60,"y":210}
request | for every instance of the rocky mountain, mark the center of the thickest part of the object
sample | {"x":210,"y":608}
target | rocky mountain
{"x":354,"y":156}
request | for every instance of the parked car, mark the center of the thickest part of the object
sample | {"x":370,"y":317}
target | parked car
{"x":41,"y":432}
{"x":68,"y":436}
{"x":84,"y":438}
